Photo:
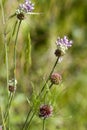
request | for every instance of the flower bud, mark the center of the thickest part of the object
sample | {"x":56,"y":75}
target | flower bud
{"x":45,"y":111}
{"x":12,"y":85}
{"x":20,"y":16}
{"x":12,"y":88}
{"x":58,"y":53}
{"x":55,"y":78}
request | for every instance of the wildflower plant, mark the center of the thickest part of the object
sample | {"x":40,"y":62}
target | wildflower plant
{"x":62,"y":45}
{"x":25,"y":8}
{"x":39,"y":107}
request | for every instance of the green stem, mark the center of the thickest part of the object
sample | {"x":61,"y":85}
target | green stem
{"x":8,"y":107}
{"x":26,"y":119}
{"x":43,"y":124}
{"x":3,"y":16}
{"x":48,"y":77}
{"x":7,"y":64}
{"x":15,"y":25}
{"x":6,"y":47}
{"x":12,"y":95}
{"x":3,"y":126}
{"x":47,"y":92}
{"x":39,"y":96}
{"x":27,"y":126}
{"x":13,"y":32}
{"x":15,"y":51}
{"x":5,"y":42}
{"x":11,"y":16}
{"x":6,"y":115}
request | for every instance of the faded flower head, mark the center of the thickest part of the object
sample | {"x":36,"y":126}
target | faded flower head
{"x":56,"y":78}
{"x":26,"y":7}
{"x":63,"y":44}
{"x":12,"y":85}
{"x":45,"y":111}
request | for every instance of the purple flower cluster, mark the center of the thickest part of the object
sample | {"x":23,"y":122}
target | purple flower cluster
{"x":63,"y":44}
{"x":26,"y":7}
{"x":64,"y":41}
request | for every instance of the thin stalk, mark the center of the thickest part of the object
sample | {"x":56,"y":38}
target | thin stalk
{"x":7,"y":105}
{"x":26,"y":119}
{"x":5,"y":42}
{"x":15,"y":56}
{"x":47,"y":92}
{"x":3,"y":126}
{"x":11,"y":96}
{"x":13,"y":32}
{"x":15,"y":51}
{"x":11,"y":16}
{"x":3,"y":16}
{"x":15,"y":25}
{"x":6,"y":51}
{"x":40,"y":94}
{"x":6,"y":47}
{"x":43,"y":124}
{"x":48,"y":77}
{"x":7,"y":113}
{"x":27,"y":126}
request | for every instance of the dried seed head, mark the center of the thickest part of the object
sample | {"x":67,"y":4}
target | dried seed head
{"x":56,"y":78}
{"x":45,"y":111}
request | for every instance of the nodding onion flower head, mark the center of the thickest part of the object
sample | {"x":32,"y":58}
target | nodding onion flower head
{"x":24,"y":8}
{"x":12,"y":85}
{"x":45,"y":111}
{"x":62,"y":45}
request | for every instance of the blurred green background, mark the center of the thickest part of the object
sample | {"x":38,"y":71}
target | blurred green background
{"x":59,"y":18}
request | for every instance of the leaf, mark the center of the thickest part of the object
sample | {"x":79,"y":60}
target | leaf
{"x":28,"y":100}
{"x":32,"y":13}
